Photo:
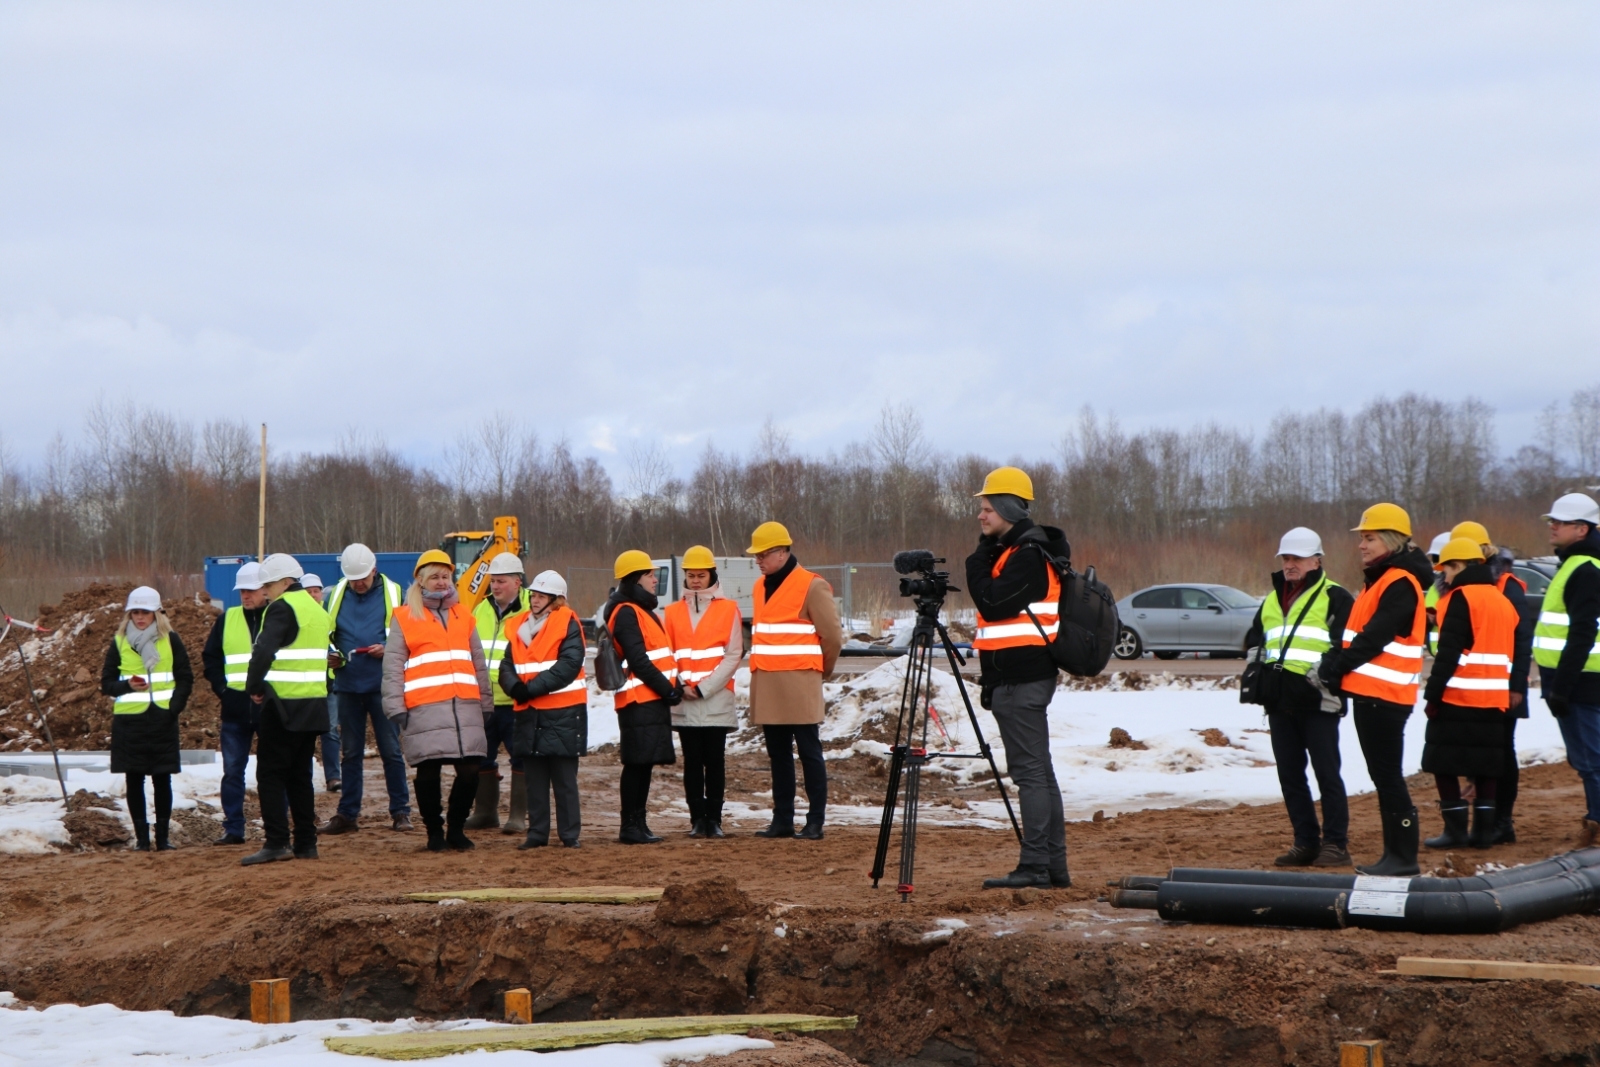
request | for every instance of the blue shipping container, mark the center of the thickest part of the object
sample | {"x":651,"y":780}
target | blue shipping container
{"x":220,"y":571}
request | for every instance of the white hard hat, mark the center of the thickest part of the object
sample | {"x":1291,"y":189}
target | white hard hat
{"x":311,"y":581}
{"x":278,"y":566}
{"x":506,"y":563}
{"x":248,"y":576}
{"x":1575,"y":507}
{"x":357,"y":561}
{"x":1439,"y":543}
{"x":1300,"y":541}
{"x":549,"y":582}
{"x":144,"y":599}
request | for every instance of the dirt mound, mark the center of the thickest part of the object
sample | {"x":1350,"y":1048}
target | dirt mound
{"x":65,"y":666}
{"x":95,"y":828}
{"x":1121,"y":738}
{"x":702,"y":903}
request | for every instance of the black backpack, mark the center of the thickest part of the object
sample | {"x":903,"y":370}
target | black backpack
{"x":608,"y":672}
{"x":1088,"y":624}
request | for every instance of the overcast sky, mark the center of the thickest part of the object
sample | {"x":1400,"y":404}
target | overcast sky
{"x":671,"y":221}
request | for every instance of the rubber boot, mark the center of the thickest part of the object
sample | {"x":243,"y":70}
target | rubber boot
{"x":1483,"y":825}
{"x":486,"y":809}
{"x":517,"y":821}
{"x":1455,"y":828}
{"x":1400,"y":833}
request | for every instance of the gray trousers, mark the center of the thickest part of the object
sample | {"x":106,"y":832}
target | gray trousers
{"x":561,"y":774}
{"x":1025,"y":732}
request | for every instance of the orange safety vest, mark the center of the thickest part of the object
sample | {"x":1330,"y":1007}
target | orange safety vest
{"x":540,"y":655}
{"x":699,"y":649}
{"x":1482,"y":678}
{"x":634,"y":691}
{"x":780,"y":640}
{"x":1393,"y":674}
{"x":1500,"y":583}
{"x":1020,"y":631}
{"x":438,"y":658}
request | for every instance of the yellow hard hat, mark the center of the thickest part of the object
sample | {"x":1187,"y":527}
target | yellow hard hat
{"x":1385,"y":517}
{"x":433,"y":555}
{"x":699,"y":558}
{"x":1010,"y":480}
{"x":768,"y":535}
{"x":1473,"y":531}
{"x":1461,"y":550}
{"x":631,"y":562}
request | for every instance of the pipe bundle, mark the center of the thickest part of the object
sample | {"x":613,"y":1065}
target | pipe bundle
{"x":1568,"y":884}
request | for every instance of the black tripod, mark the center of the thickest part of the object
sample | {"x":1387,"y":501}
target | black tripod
{"x":910,"y":751}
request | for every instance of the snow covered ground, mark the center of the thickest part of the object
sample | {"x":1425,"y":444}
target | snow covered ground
{"x":65,"y":1035}
{"x":31,"y":808}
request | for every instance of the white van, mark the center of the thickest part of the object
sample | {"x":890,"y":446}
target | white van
{"x":737,"y":574}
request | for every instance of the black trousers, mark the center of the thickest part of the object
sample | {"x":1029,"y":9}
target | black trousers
{"x":1506,"y":798}
{"x":463,"y":791}
{"x":781,"y":743}
{"x":161,"y":785}
{"x":283,"y":782}
{"x":635,"y":788}
{"x":704,"y":769}
{"x":1297,"y":735}
{"x":558,"y":773}
{"x":1381,"y":726}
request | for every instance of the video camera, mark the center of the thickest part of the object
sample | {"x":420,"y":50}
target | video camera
{"x":929,"y":583}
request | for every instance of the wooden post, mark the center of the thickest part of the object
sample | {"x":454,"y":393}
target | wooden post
{"x":519,"y":1006}
{"x":1361,"y":1054}
{"x":261,"y":512}
{"x":269,"y":1000}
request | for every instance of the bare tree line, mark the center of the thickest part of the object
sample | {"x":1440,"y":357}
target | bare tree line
{"x":143,"y":488}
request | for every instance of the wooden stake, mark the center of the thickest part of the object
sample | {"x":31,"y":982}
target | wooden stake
{"x":261,"y":513}
{"x":269,"y":1000}
{"x":1361,"y":1054}
{"x":1428,"y":967}
{"x":519,"y":1006}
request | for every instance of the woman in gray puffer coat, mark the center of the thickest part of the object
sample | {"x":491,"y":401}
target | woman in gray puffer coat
{"x":440,"y":707}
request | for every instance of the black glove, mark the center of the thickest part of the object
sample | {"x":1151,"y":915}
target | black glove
{"x":1328,"y":672}
{"x":1431,"y":709}
{"x":674,"y":698}
{"x":986,"y":697}
{"x":519,"y":692}
{"x":1558,"y":705}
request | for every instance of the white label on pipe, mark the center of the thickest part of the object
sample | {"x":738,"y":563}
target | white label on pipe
{"x":1371,"y":883}
{"x":1392,"y":905}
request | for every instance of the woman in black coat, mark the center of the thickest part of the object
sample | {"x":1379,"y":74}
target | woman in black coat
{"x":645,"y":727}
{"x":148,"y":675}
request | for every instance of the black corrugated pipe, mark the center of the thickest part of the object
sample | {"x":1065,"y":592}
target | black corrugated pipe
{"x":1480,"y":911}
{"x":1530,"y":872}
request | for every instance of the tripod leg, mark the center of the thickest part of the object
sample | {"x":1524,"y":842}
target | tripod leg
{"x":908,"y":827}
{"x":897,"y":760}
{"x":983,"y":742}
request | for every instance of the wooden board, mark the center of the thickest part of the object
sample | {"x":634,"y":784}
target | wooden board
{"x":1552,"y":972}
{"x":579,"y":894}
{"x":427,"y":1044}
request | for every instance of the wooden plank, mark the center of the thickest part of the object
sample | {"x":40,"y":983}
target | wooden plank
{"x":1361,"y":1054}
{"x":426,"y":1044}
{"x":1429,"y":967}
{"x":580,"y":894}
{"x":269,"y":1000}
{"x":519,"y":1006}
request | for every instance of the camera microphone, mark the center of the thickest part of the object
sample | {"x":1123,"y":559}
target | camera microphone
{"x":914,"y":561}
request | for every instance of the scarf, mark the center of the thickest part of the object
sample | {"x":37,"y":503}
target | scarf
{"x":700,"y":599}
{"x":530,"y":629}
{"x":144,"y":642}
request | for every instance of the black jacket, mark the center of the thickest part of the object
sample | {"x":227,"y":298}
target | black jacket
{"x":1394,"y":616}
{"x":1296,"y":693}
{"x":236,"y":706}
{"x":148,"y":742}
{"x":624,"y":626}
{"x":1024,"y":580}
{"x":279,"y":627}
{"x":1568,"y":679}
{"x":562,"y":731}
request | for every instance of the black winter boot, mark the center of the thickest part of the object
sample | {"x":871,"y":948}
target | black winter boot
{"x":1483,"y":825}
{"x":1400,"y":846}
{"x":163,"y":830}
{"x":634,"y":831}
{"x":1025,"y":876}
{"x":1455,"y":828}
{"x":1505,"y":831}
{"x":432,"y":819}
{"x":714,"y":822}
{"x":141,"y":836}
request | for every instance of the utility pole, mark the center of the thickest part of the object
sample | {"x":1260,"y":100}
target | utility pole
{"x":261,"y":513}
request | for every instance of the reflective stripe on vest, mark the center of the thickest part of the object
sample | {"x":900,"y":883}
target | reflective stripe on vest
{"x":438,"y":663}
{"x":532,"y":659}
{"x":237,"y":644}
{"x":1550,"y":635}
{"x":699,"y":649}
{"x":492,"y":635}
{"x":656,"y":646}
{"x":1392,"y":675}
{"x":1311,"y":638}
{"x":162,"y":683}
{"x":1482,"y":677}
{"x":300,"y":669}
{"x":780,"y":640}
{"x":1020,"y":631}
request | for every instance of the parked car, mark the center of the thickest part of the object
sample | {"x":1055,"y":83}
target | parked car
{"x":1171,"y":619}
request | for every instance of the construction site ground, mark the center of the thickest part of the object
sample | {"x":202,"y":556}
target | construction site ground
{"x":959,"y":975}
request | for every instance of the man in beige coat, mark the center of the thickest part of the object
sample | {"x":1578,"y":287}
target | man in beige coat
{"x":794,"y":641}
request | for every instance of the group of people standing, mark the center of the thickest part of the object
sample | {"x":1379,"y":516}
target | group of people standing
{"x":1320,"y":649}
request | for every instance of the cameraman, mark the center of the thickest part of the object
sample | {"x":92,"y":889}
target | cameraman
{"x":1006,"y":579}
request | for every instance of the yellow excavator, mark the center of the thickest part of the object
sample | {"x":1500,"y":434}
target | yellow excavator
{"x":471,"y":552}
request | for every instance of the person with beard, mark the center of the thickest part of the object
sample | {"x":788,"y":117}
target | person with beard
{"x":1379,"y":666}
{"x":1294,"y":629}
{"x":644,"y":703}
{"x":1564,"y":646}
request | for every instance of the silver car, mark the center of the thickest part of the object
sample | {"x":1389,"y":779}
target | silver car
{"x":1171,"y":619}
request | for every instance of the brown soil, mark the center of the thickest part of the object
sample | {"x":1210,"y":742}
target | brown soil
{"x":1033,"y":977}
